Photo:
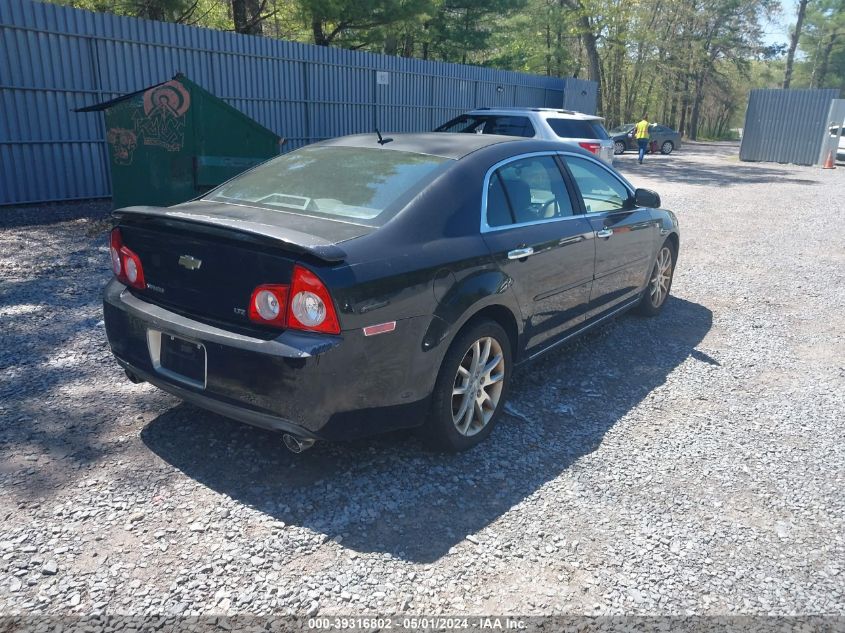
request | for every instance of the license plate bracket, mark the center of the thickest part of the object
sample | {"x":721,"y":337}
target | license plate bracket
{"x":177,"y":358}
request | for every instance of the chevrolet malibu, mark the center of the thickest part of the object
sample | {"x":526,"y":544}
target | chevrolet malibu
{"x":365,"y":284}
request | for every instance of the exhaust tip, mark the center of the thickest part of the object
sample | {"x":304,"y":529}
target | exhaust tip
{"x":133,"y":378}
{"x":297,"y":444}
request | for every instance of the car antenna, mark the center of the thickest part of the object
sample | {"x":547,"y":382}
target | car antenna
{"x":381,"y":139}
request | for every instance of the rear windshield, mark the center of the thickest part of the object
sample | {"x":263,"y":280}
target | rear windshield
{"x":359,"y":185}
{"x":505,"y":125}
{"x":575,"y":128}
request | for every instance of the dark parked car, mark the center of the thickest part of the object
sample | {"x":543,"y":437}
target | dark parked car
{"x":663,"y":139}
{"x":355,"y":286}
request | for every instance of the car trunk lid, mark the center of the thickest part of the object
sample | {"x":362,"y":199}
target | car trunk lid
{"x":205,"y":259}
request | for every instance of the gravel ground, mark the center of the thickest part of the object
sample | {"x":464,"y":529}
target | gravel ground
{"x":689,"y":464}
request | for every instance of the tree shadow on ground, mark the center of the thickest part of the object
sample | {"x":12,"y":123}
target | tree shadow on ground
{"x":54,"y":212}
{"x":712,"y":164}
{"x":689,"y":171}
{"x":388,"y":494}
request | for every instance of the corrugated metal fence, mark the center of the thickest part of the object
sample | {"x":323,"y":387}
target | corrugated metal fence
{"x":54,"y":59}
{"x":786,"y":126}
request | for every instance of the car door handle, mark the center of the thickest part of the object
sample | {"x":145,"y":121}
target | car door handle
{"x":604,"y":233}
{"x":566,"y":241}
{"x":520,"y":253}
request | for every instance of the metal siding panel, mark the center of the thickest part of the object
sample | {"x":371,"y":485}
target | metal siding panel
{"x":785,"y":126}
{"x":580,"y":95}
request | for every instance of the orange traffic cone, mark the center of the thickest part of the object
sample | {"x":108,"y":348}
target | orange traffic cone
{"x":829,"y":163}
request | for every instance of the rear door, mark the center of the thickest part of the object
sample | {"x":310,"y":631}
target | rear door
{"x":625,"y":234}
{"x":536,"y":236}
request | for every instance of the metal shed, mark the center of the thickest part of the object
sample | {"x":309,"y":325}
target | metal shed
{"x":172,"y":141}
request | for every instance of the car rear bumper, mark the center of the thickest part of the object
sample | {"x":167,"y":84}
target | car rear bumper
{"x":307,"y":384}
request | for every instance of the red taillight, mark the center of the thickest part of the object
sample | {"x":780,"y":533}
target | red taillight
{"x":304,"y":305}
{"x":311,"y":307}
{"x":115,"y":244}
{"x":591,"y":147}
{"x":269,"y":305}
{"x":133,"y":271}
{"x":125,"y":263}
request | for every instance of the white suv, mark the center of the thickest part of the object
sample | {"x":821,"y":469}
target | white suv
{"x":547,"y":123}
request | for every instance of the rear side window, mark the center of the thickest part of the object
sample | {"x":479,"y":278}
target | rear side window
{"x":349,"y":183}
{"x":576,"y":128}
{"x":490,"y":124}
{"x":600,"y":190}
{"x":527,"y":190}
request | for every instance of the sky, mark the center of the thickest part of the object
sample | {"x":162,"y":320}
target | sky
{"x":778,"y":31}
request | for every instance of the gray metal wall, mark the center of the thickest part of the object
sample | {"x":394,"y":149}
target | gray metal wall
{"x":835,"y":123}
{"x":786,"y":126}
{"x":580,"y":95}
{"x":54,"y":59}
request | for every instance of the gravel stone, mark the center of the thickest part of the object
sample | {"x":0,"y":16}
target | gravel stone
{"x":50,"y":568}
{"x":687,"y":464}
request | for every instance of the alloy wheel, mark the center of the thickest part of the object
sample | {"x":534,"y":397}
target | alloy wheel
{"x":667,"y":147}
{"x":618,"y":147}
{"x":478,"y":386}
{"x":661,"y":277}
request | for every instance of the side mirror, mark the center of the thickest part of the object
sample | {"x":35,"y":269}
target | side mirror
{"x":646,"y":198}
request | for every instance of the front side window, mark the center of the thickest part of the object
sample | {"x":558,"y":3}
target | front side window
{"x":600,"y":190}
{"x":527,"y":190}
{"x":348,"y":183}
{"x":505,"y":125}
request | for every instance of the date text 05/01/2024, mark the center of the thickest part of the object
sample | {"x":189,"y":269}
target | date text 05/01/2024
{"x":421,"y":623}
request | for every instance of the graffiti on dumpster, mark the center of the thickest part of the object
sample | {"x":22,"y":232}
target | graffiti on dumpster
{"x":162,"y":123}
{"x":155,"y":118}
{"x":123,"y":143}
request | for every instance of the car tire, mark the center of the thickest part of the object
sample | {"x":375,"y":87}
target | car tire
{"x":448,"y":427}
{"x":659,"y":281}
{"x":618,"y":147}
{"x":667,"y":147}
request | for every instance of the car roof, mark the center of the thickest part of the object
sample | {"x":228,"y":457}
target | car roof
{"x":567,"y":114}
{"x":443,"y":144}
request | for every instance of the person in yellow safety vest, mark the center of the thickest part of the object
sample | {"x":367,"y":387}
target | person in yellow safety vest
{"x":641,"y":134}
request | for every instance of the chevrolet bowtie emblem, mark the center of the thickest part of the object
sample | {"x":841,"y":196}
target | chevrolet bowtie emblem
{"x":191,"y":263}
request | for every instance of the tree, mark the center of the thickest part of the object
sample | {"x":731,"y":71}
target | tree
{"x":793,"y":42}
{"x":589,"y":31}
{"x":354,"y":22}
{"x":460,"y":28}
{"x":248,"y":16}
{"x":823,"y":42}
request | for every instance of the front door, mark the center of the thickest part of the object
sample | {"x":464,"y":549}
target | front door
{"x":625,"y":234}
{"x":541,"y":243}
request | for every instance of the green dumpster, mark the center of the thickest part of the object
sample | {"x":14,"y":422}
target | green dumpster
{"x":173,"y":141}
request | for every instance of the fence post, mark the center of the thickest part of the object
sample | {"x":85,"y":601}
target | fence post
{"x":307,"y":97}
{"x":94,"y":54}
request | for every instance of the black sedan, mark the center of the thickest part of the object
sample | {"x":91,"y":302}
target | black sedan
{"x":363,"y":284}
{"x":661,"y":138}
